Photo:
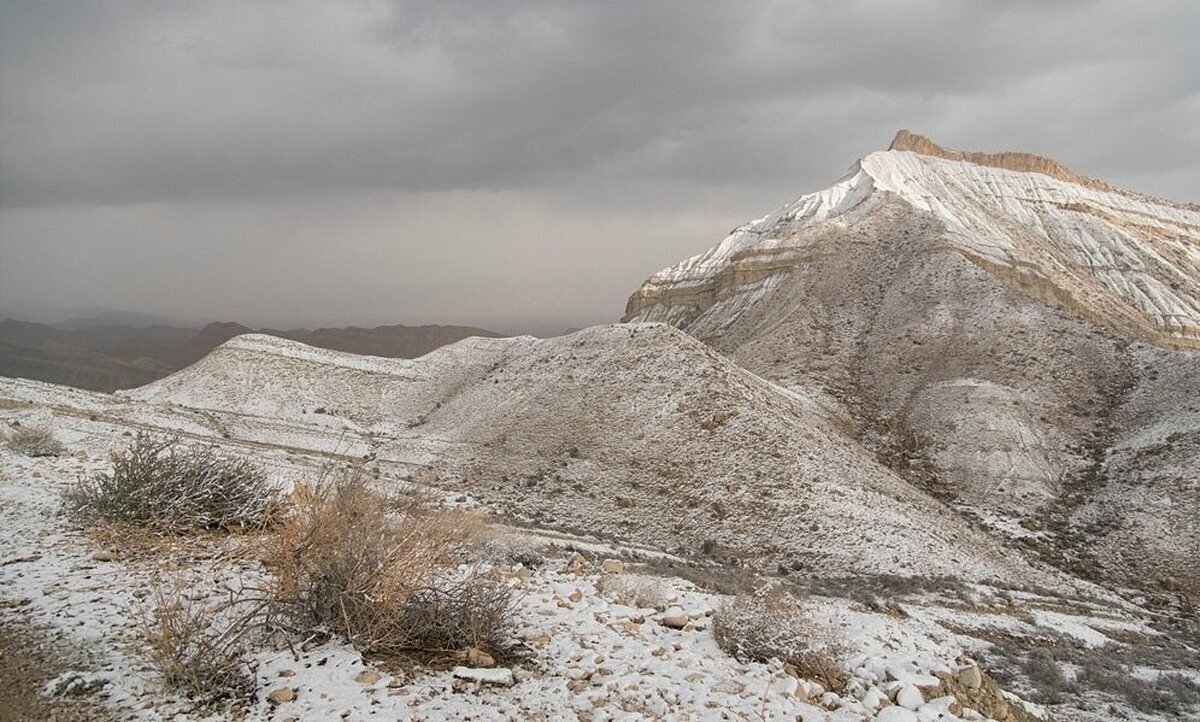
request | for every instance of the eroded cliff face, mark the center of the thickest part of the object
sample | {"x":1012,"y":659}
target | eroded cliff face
{"x":980,"y":317}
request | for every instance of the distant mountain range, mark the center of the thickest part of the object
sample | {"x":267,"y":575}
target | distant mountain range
{"x":89,"y":354}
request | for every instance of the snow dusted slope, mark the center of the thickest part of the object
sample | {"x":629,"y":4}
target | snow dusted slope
{"x":1127,"y":260}
{"x":985,"y":320}
{"x":632,"y":432}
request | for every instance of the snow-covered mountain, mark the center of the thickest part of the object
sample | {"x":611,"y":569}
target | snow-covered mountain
{"x":1126,"y":260}
{"x":996,"y":325}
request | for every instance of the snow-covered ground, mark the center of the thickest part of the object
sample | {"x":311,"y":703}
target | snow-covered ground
{"x":590,"y":657}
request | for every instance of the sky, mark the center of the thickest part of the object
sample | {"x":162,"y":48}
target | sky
{"x":521,"y":166}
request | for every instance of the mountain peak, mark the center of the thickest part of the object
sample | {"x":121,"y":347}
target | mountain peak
{"x":906,"y":140}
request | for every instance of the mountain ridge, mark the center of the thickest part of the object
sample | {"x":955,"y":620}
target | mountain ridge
{"x":107,"y":358}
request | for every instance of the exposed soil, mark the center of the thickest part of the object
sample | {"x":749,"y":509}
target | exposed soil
{"x":27,"y":661}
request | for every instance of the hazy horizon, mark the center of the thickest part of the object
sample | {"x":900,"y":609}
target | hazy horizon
{"x":518,"y":166}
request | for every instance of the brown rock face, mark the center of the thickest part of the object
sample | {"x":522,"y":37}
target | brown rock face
{"x":1024,"y":162}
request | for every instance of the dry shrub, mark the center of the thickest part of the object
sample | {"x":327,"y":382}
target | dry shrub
{"x":770,"y":623}
{"x":35,"y":441}
{"x":634,"y":591}
{"x":154,"y":484}
{"x":390,"y":583}
{"x":202,"y":650}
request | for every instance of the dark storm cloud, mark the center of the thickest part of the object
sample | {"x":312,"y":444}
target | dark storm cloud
{"x":129,"y":102}
{"x":668,"y":115}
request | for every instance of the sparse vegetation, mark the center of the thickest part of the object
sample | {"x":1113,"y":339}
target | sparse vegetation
{"x":155,"y":484}
{"x":1106,"y":671}
{"x":202,"y":651}
{"x":769,"y":622}
{"x":35,"y":441}
{"x":389,"y":583}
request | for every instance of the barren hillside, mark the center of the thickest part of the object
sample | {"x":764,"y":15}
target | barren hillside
{"x":634,"y":432}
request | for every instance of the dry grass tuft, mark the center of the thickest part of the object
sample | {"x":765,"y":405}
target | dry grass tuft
{"x":202,"y":650}
{"x":35,"y":441}
{"x":770,"y":623}
{"x":156,"y":485}
{"x":391,"y":583}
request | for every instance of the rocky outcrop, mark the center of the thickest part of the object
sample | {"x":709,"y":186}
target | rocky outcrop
{"x":1021,"y":162}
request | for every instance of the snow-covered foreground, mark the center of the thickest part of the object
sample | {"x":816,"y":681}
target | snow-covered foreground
{"x":591,"y":658}
{"x":588,"y":655}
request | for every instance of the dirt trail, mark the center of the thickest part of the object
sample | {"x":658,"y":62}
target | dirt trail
{"x":27,"y":661}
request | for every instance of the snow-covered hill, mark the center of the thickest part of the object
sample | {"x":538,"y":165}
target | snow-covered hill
{"x":632,"y":432}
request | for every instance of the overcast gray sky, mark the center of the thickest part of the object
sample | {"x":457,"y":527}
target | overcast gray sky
{"x":518,"y":165}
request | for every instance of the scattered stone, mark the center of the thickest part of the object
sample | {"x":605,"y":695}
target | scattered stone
{"x":368,"y":677}
{"x":909,"y":697}
{"x":74,"y":684}
{"x":896,"y":714}
{"x":612,"y":566}
{"x":970,"y":676}
{"x":500,"y":677}
{"x":629,"y":626}
{"x":675,"y":621}
{"x":478,"y":658}
{"x":281,"y":695}
{"x":577,"y":563}
{"x":575,"y":596}
{"x":104,"y":555}
{"x":287,"y":673}
{"x":674,"y":618}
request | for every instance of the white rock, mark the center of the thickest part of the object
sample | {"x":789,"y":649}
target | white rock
{"x":909,"y":697}
{"x":896,"y":714}
{"x":500,"y":676}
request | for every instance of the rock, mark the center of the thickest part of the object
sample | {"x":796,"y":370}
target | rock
{"x":612,"y":566}
{"x":577,"y":563}
{"x":970,"y":676}
{"x":539,"y":639}
{"x":909,"y":697}
{"x":104,"y":555}
{"x":500,"y":677}
{"x":629,"y":626}
{"x":896,"y":714}
{"x":281,"y":695}
{"x":287,"y":673}
{"x":478,"y":658}
{"x":368,"y":677}
{"x":74,"y":684}
{"x":874,"y":698}
{"x":674,"y":621}
{"x":575,"y":596}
